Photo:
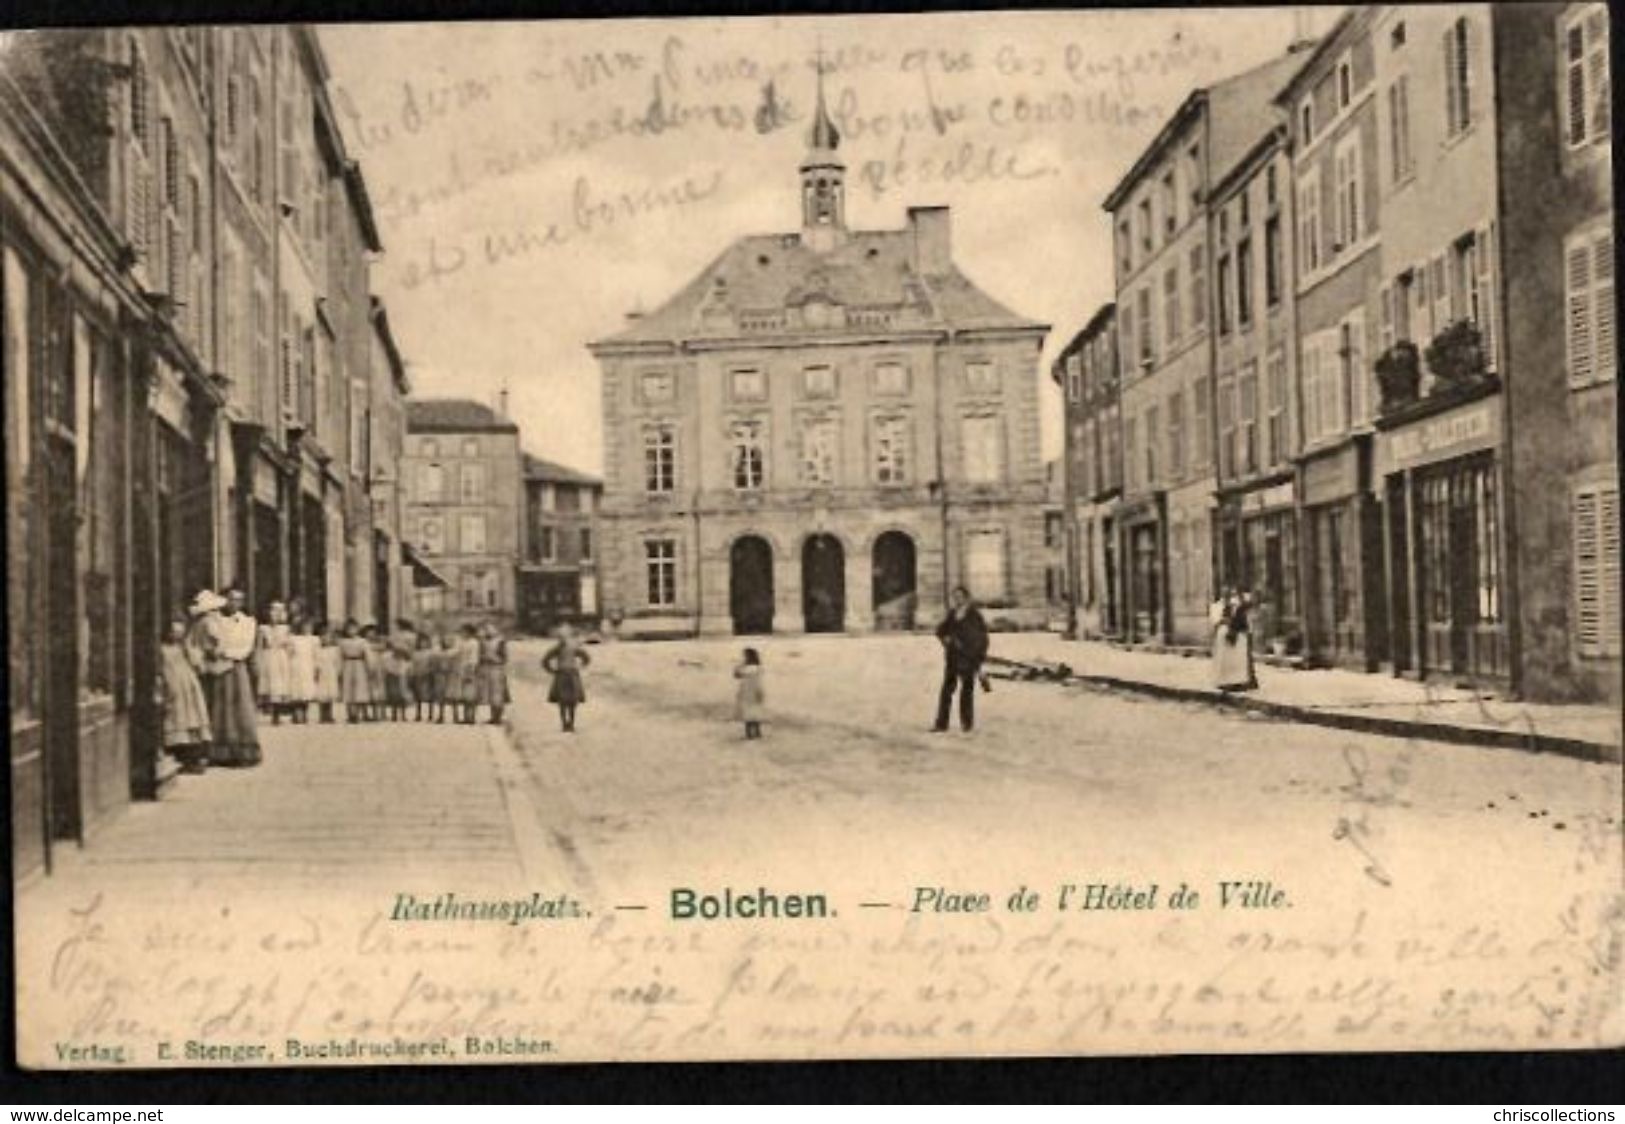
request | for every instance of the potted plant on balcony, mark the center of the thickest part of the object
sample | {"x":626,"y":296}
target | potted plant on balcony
{"x":1456,"y":355}
{"x":1399,"y":376}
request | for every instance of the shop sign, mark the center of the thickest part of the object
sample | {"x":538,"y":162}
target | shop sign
{"x":1277,"y":495}
{"x":265,"y":489}
{"x":1330,"y":478}
{"x":1442,"y":436}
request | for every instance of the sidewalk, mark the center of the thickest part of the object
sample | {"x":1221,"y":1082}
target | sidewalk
{"x":397,"y":805}
{"x":1376,"y":703}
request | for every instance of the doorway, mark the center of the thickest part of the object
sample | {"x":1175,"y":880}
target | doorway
{"x":750,"y":586}
{"x":823,"y":584}
{"x":894,"y":582}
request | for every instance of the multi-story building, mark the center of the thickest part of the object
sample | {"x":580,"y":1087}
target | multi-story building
{"x":1439,"y":468}
{"x":391,"y":579}
{"x":1560,"y":385}
{"x":463,"y":506}
{"x":148,"y":452}
{"x":1166,"y":244}
{"x":1332,"y":108}
{"x":558,"y":572}
{"x":1255,"y":379}
{"x":1087,"y":370}
{"x":824,"y":431}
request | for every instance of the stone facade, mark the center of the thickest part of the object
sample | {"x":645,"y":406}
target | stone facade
{"x":824,"y":431}
{"x":462,"y":503}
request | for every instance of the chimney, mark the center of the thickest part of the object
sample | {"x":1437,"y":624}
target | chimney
{"x":502,"y":403}
{"x":933,"y":249}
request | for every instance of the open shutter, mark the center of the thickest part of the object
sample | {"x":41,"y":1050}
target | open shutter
{"x":1488,"y":296}
{"x":1577,"y":283}
{"x":1602,"y":304}
{"x":1597,"y":78}
{"x":1385,"y":317}
{"x":1439,"y":289}
{"x":1452,"y":110}
{"x":1608,"y":586}
{"x":1587,"y":574}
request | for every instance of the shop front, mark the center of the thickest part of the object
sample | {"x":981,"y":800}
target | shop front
{"x":1443,"y":545}
{"x":1145,"y":592}
{"x":1341,"y":557}
{"x":1258,"y":552}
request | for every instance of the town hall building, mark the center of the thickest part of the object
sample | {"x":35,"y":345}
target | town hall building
{"x":824,"y":431}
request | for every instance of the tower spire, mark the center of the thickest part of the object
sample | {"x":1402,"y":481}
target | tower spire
{"x":823,"y":175}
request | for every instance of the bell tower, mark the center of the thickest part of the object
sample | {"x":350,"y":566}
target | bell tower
{"x":823,"y":179}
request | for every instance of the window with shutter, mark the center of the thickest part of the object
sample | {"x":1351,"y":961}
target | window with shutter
{"x":1584,"y":69}
{"x":1439,"y":289}
{"x":1595,"y":515}
{"x":1385,"y":317}
{"x":1457,"y":71}
{"x":1487,"y":295}
{"x":1602,"y":304}
{"x":1577,"y":284}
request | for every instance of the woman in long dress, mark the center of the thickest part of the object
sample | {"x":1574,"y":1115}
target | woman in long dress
{"x":565,"y":661}
{"x":377,"y":650}
{"x":273,"y":662}
{"x":1233,"y":646}
{"x":226,"y":643}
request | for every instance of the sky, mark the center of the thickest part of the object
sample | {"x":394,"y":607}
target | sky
{"x":536,"y":181}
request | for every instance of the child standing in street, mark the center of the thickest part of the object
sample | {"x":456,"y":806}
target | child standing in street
{"x":273,"y":662}
{"x":466,"y":675}
{"x":187,"y":729}
{"x":356,"y":689}
{"x":398,"y":670}
{"x":564,"y":662}
{"x":493,"y":672}
{"x":444,"y":669}
{"x":329,"y":672}
{"x":378,"y":698}
{"x":302,"y":656}
{"x":751,"y":695}
{"x":423,"y":677}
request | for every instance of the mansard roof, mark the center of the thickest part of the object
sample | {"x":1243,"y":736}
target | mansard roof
{"x":756,"y":287}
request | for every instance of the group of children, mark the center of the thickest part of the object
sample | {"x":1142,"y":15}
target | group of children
{"x":377,"y":677}
{"x":404,"y":675}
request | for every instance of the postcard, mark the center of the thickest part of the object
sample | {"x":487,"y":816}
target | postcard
{"x":845,"y":536}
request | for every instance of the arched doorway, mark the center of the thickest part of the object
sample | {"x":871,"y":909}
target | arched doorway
{"x":750,"y":585}
{"x":893,"y":565}
{"x":823,"y":584}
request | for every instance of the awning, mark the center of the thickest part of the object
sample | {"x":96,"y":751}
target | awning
{"x":424,"y":576}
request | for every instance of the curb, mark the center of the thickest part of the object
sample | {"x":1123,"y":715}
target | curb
{"x":1528,"y":740}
